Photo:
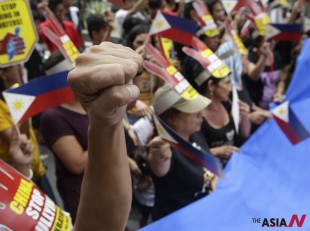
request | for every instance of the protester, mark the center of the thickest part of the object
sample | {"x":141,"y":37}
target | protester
{"x":178,"y":180}
{"x":8,"y":77}
{"x":64,"y":129}
{"x":57,"y":7}
{"x":101,"y":81}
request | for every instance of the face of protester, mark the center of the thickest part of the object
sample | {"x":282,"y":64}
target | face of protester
{"x":60,"y":12}
{"x":9,"y":76}
{"x":222,"y":89}
{"x":186,"y":123}
{"x":138,"y":41}
{"x":213,"y":42}
{"x":218,"y":12}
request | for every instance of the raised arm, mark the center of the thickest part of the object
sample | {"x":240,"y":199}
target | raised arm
{"x":101,"y":81}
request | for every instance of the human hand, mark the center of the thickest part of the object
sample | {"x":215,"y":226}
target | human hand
{"x":102,"y":80}
{"x":142,"y":108}
{"x":259,"y":116}
{"x":278,"y":98}
{"x":21,"y":150}
{"x":159,"y":149}
{"x":244,"y":108}
{"x":224,"y":151}
{"x":265,"y":49}
{"x":134,"y":168}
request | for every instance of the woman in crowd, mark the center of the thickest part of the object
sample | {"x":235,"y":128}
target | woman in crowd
{"x":58,"y":8}
{"x":64,"y":129}
{"x":178,"y":180}
{"x":8,"y":77}
{"x":218,"y":125}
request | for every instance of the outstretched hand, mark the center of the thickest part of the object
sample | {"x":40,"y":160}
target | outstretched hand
{"x":21,"y":149}
{"x":102,"y":81}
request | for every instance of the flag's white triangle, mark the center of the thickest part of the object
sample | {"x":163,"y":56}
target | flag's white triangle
{"x":18,"y":104}
{"x":229,"y":5}
{"x":162,"y":131}
{"x":281,"y":111}
{"x":159,"y":24}
{"x":306,"y":24}
{"x":235,"y":111}
{"x":271,"y":31}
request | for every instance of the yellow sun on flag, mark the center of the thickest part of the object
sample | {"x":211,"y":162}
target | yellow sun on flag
{"x":18,"y":105}
{"x":228,"y":4}
{"x":159,"y":24}
{"x":270,"y":31}
{"x":281,"y":111}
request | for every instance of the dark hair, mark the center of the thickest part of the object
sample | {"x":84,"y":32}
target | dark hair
{"x":210,"y":4}
{"x":168,"y":114}
{"x":187,"y":10}
{"x":155,"y":4}
{"x":52,"y":4}
{"x":202,"y":89}
{"x":129,"y":23}
{"x":95,"y":22}
{"x":137,"y":30}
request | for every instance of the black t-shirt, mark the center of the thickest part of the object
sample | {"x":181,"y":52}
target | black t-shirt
{"x":225,"y":135}
{"x":182,"y":185}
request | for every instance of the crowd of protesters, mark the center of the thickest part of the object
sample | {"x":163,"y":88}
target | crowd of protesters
{"x":163,"y":179}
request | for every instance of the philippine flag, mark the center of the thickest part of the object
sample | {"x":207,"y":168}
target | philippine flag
{"x":38,"y":95}
{"x":175,"y":28}
{"x":289,"y":123}
{"x":201,"y":158}
{"x":283,"y":32}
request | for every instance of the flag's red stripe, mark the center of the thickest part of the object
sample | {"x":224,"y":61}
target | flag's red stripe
{"x":49,"y":100}
{"x":178,"y":36}
{"x":187,"y":153}
{"x":288,"y":131}
{"x":287,"y":36}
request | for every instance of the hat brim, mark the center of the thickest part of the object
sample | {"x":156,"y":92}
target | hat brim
{"x":192,"y":106}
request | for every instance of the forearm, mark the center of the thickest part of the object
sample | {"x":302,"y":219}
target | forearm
{"x":258,"y":68}
{"x":106,"y":192}
{"x":159,"y":166}
{"x":245,"y":126}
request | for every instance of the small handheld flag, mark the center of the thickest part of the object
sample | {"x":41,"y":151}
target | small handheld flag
{"x":289,"y":123}
{"x":283,"y":32}
{"x":175,"y":28}
{"x":38,"y":95}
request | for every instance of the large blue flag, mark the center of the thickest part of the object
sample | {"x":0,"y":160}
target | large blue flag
{"x":265,"y":187}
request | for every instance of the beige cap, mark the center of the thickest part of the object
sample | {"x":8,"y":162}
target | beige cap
{"x":165,"y":98}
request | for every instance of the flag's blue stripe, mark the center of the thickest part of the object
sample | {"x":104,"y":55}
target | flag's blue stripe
{"x":288,"y":27}
{"x":182,"y":24}
{"x":43,"y":84}
{"x":297,"y":125}
{"x":208,"y":160}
